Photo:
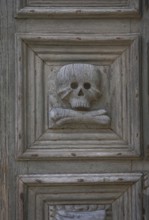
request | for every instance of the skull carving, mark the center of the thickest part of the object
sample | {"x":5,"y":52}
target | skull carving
{"x":78,"y":85}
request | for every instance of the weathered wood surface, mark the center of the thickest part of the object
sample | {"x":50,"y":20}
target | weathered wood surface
{"x":10,"y":168}
{"x":123,"y":192}
{"x":120,"y":94}
{"x":79,"y":9}
{"x":4,"y":115}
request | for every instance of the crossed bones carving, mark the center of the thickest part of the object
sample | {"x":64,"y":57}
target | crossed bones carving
{"x":62,"y":116}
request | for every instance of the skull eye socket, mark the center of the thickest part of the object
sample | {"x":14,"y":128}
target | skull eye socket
{"x":87,"y":85}
{"x":74,"y":85}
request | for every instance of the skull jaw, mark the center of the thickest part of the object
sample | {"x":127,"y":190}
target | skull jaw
{"x":80,"y":104}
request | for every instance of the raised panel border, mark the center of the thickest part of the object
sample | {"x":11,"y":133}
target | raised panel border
{"x":47,"y":144}
{"x":130,"y":10}
{"x":146,"y":107}
{"x":146,"y":195}
{"x":122,"y":191}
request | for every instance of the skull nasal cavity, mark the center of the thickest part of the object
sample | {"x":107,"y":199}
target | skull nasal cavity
{"x":80,"y":93}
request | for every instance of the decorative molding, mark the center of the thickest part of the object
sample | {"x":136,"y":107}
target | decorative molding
{"x":147,"y":107}
{"x":118,"y":195}
{"x":37,"y":60}
{"x":66,"y":3}
{"x":146,"y":196}
{"x":78,"y":9}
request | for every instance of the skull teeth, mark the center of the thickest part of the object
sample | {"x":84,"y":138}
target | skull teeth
{"x":79,"y":104}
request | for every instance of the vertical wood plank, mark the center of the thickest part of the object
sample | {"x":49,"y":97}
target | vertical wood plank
{"x":115,"y":210}
{"x":4,"y":106}
{"x":126,"y":206}
{"x":121,"y":208}
{"x":146,"y":196}
{"x":138,"y":199}
{"x":133,"y":202}
{"x":125,"y":115}
{"x":39,"y":97}
{"x":116,"y":97}
{"x":20,"y":94}
{"x":30,"y":105}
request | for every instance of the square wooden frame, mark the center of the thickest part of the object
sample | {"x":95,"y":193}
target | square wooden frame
{"x":122,"y":192}
{"x":34,"y":141}
{"x":74,"y":9}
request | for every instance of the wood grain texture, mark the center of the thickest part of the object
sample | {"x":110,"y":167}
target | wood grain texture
{"x":78,"y":9}
{"x":66,"y":3}
{"x":123,"y":192}
{"x":146,"y":195}
{"x":38,"y":59}
{"x":11,"y":168}
{"x":147,"y":102}
{"x":4,"y":111}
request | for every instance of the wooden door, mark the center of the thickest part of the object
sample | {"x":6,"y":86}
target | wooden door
{"x":74,"y":110}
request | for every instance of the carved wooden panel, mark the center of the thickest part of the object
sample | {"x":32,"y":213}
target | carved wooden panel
{"x":77,"y":8}
{"x":38,"y":61}
{"x":80,"y":196}
{"x":146,"y":196}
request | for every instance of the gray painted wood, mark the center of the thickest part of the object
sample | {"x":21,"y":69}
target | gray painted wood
{"x":11,"y":168}
{"x":79,"y":9}
{"x":4,"y":80}
{"x":87,"y":191}
{"x":108,"y":51}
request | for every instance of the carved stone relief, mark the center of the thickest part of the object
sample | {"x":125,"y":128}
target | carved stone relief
{"x":76,"y":212}
{"x":78,"y":90}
